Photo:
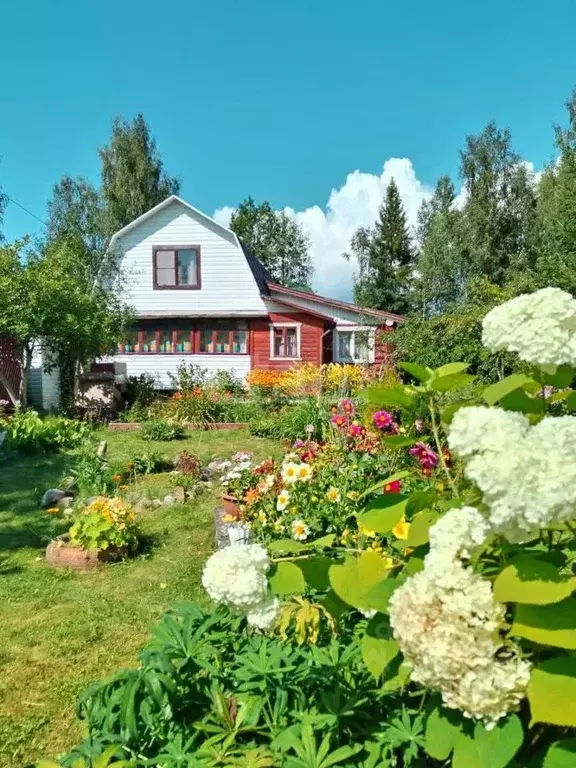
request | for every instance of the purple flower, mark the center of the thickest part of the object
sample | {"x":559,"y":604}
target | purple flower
{"x":426,"y":456}
{"x":298,"y":443}
{"x":383,"y":419}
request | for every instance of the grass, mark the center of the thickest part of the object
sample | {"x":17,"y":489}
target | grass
{"x":60,"y":630}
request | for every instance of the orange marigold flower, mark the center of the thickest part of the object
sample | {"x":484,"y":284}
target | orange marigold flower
{"x":53,"y":510}
{"x":116,"y":478}
{"x":122,"y":487}
{"x":251,"y":496}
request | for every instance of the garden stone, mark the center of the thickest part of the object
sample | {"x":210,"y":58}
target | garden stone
{"x":169,"y":500}
{"x":133,"y":497}
{"x":102,"y":448}
{"x":65,"y":503}
{"x":144,"y":505}
{"x":157,"y":503}
{"x":52,"y":497}
{"x":179,"y":494}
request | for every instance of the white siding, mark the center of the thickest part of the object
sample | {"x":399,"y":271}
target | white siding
{"x":160,"y":366}
{"x":340,"y":315}
{"x":43,"y":388}
{"x":227,"y":281}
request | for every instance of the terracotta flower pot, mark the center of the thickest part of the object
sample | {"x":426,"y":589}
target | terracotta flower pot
{"x":61,"y":554}
{"x":231,"y":506}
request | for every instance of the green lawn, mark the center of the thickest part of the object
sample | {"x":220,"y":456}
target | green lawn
{"x":59,"y":630}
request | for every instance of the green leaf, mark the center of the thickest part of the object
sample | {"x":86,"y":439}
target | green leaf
{"x":442,"y":731}
{"x":489,"y":749}
{"x":420,"y":528}
{"x":334,"y":605}
{"x":355,"y":577}
{"x":399,"y":441}
{"x":533,"y":581}
{"x":556,"y":397}
{"x":420,"y":500}
{"x":561,"y":378}
{"x":571,"y":402}
{"x":381,"y":483}
{"x":315,"y":571}
{"x":287,"y":579}
{"x":414,"y":565}
{"x":450,"y":368}
{"x":395,"y":675}
{"x":496,"y":392}
{"x":552,"y":692}
{"x":562,"y":754}
{"x":378,"y":647}
{"x":383,"y":513}
{"x":286,"y":545}
{"x":379,"y":595}
{"x":452,"y":381}
{"x":385,"y":396}
{"x":420,"y":372}
{"x":520,"y":402}
{"x":553,"y":624}
{"x":325,"y":542}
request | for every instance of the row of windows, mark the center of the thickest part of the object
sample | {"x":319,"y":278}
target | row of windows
{"x":218,"y":339}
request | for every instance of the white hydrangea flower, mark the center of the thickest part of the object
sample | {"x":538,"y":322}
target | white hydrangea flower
{"x":236,"y":576}
{"x":446,"y":623}
{"x":527,"y":474}
{"x":459,"y":531}
{"x":540,"y":327}
{"x":264,"y":615}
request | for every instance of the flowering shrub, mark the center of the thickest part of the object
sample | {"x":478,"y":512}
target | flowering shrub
{"x":265,"y":379}
{"x":28,"y":432}
{"x":104,"y":523}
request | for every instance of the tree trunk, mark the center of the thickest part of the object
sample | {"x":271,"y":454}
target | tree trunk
{"x":25,"y":365}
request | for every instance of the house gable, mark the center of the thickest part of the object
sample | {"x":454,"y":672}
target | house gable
{"x":227,"y":284}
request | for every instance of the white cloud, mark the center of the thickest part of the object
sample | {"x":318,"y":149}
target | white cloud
{"x":354,"y":205}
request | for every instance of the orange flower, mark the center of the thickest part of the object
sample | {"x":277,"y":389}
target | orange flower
{"x":122,"y":487}
{"x":116,"y":478}
{"x":251,"y":496}
{"x":53,"y":511}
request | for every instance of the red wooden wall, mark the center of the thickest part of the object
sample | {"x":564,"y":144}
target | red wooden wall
{"x":9,"y":365}
{"x":311,"y":332}
{"x":382,"y":348}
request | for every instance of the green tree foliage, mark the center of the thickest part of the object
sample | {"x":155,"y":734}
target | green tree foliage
{"x":385,"y":257}
{"x":76,"y":215}
{"x":50,"y":298}
{"x":133,"y":175}
{"x":277,"y":241}
{"x":557,"y":211}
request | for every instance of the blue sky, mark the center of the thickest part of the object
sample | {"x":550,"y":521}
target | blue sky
{"x":282,"y":101}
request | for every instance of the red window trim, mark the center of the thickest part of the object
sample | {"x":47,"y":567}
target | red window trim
{"x":194,"y":335}
{"x":177,"y":248}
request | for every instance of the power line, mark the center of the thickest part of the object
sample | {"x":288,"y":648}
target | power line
{"x":25,"y":210}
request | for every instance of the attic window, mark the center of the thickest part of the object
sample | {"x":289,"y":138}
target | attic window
{"x":176,"y":267}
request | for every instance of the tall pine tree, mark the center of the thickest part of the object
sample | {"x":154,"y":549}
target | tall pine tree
{"x":385,"y":257}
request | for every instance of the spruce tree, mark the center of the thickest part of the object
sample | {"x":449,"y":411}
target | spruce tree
{"x":385,"y":257}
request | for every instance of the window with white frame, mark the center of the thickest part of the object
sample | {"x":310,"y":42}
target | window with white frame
{"x":354,"y":345}
{"x":285,"y":340}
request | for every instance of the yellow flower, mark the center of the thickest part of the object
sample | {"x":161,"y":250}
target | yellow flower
{"x":376,"y":547}
{"x":345,"y":536}
{"x":300,"y":530}
{"x":304,"y":472}
{"x":262,"y":516}
{"x":401,"y":529}
{"x":228,"y":519}
{"x":282,"y":500}
{"x":402,"y":430}
{"x":440,"y":487}
{"x":278,"y":525}
{"x":388,"y":562}
{"x":333,"y":495}
{"x":367,"y":532}
{"x":163,"y":585}
{"x":352,"y":495}
{"x":290,"y":473}
{"x":53,"y":511}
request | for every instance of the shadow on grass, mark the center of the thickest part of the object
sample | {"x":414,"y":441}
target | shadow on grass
{"x":23,"y":480}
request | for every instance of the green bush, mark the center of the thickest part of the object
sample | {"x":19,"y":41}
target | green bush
{"x":206,"y":687}
{"x":28,"y":432}
{"x":157,"y":429}
{"x":291,"y":422}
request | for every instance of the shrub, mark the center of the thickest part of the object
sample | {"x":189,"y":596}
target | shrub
{"x":91,"y":472}
{"x":140,"y":392}
{"x":189,"y":377}
{"x":188,"y":464}
{"x":28,"y":432}
{"x":292,"y":421}
{"x":148,"y":463}
{"x":104,"y":523}
{"x":209,"y":693}
{"x":226,"y":381}
{"x":157,"y":429}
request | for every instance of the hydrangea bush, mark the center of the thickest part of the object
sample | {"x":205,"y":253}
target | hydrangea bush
{"x":468,"y":586}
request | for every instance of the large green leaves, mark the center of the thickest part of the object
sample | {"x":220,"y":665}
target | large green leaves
{"x":562,"y":754}
{"x":420,"y":372}
{"x":388,"y":397}
{"x":496,"y":392}
{"x":552,"y":692}
{"x":553,"y":624}
{"x":451,"y":381}
{"x":287,"y":579}
{"x":384,"y":512}
{"x":529,"y":580}
{"x":378,"y":646}
{"x":356,"y":576}
{"x":472,"y":746}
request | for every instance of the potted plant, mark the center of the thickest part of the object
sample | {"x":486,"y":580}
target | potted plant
{"x":236,"y":483}
{"x":102,"y":531}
